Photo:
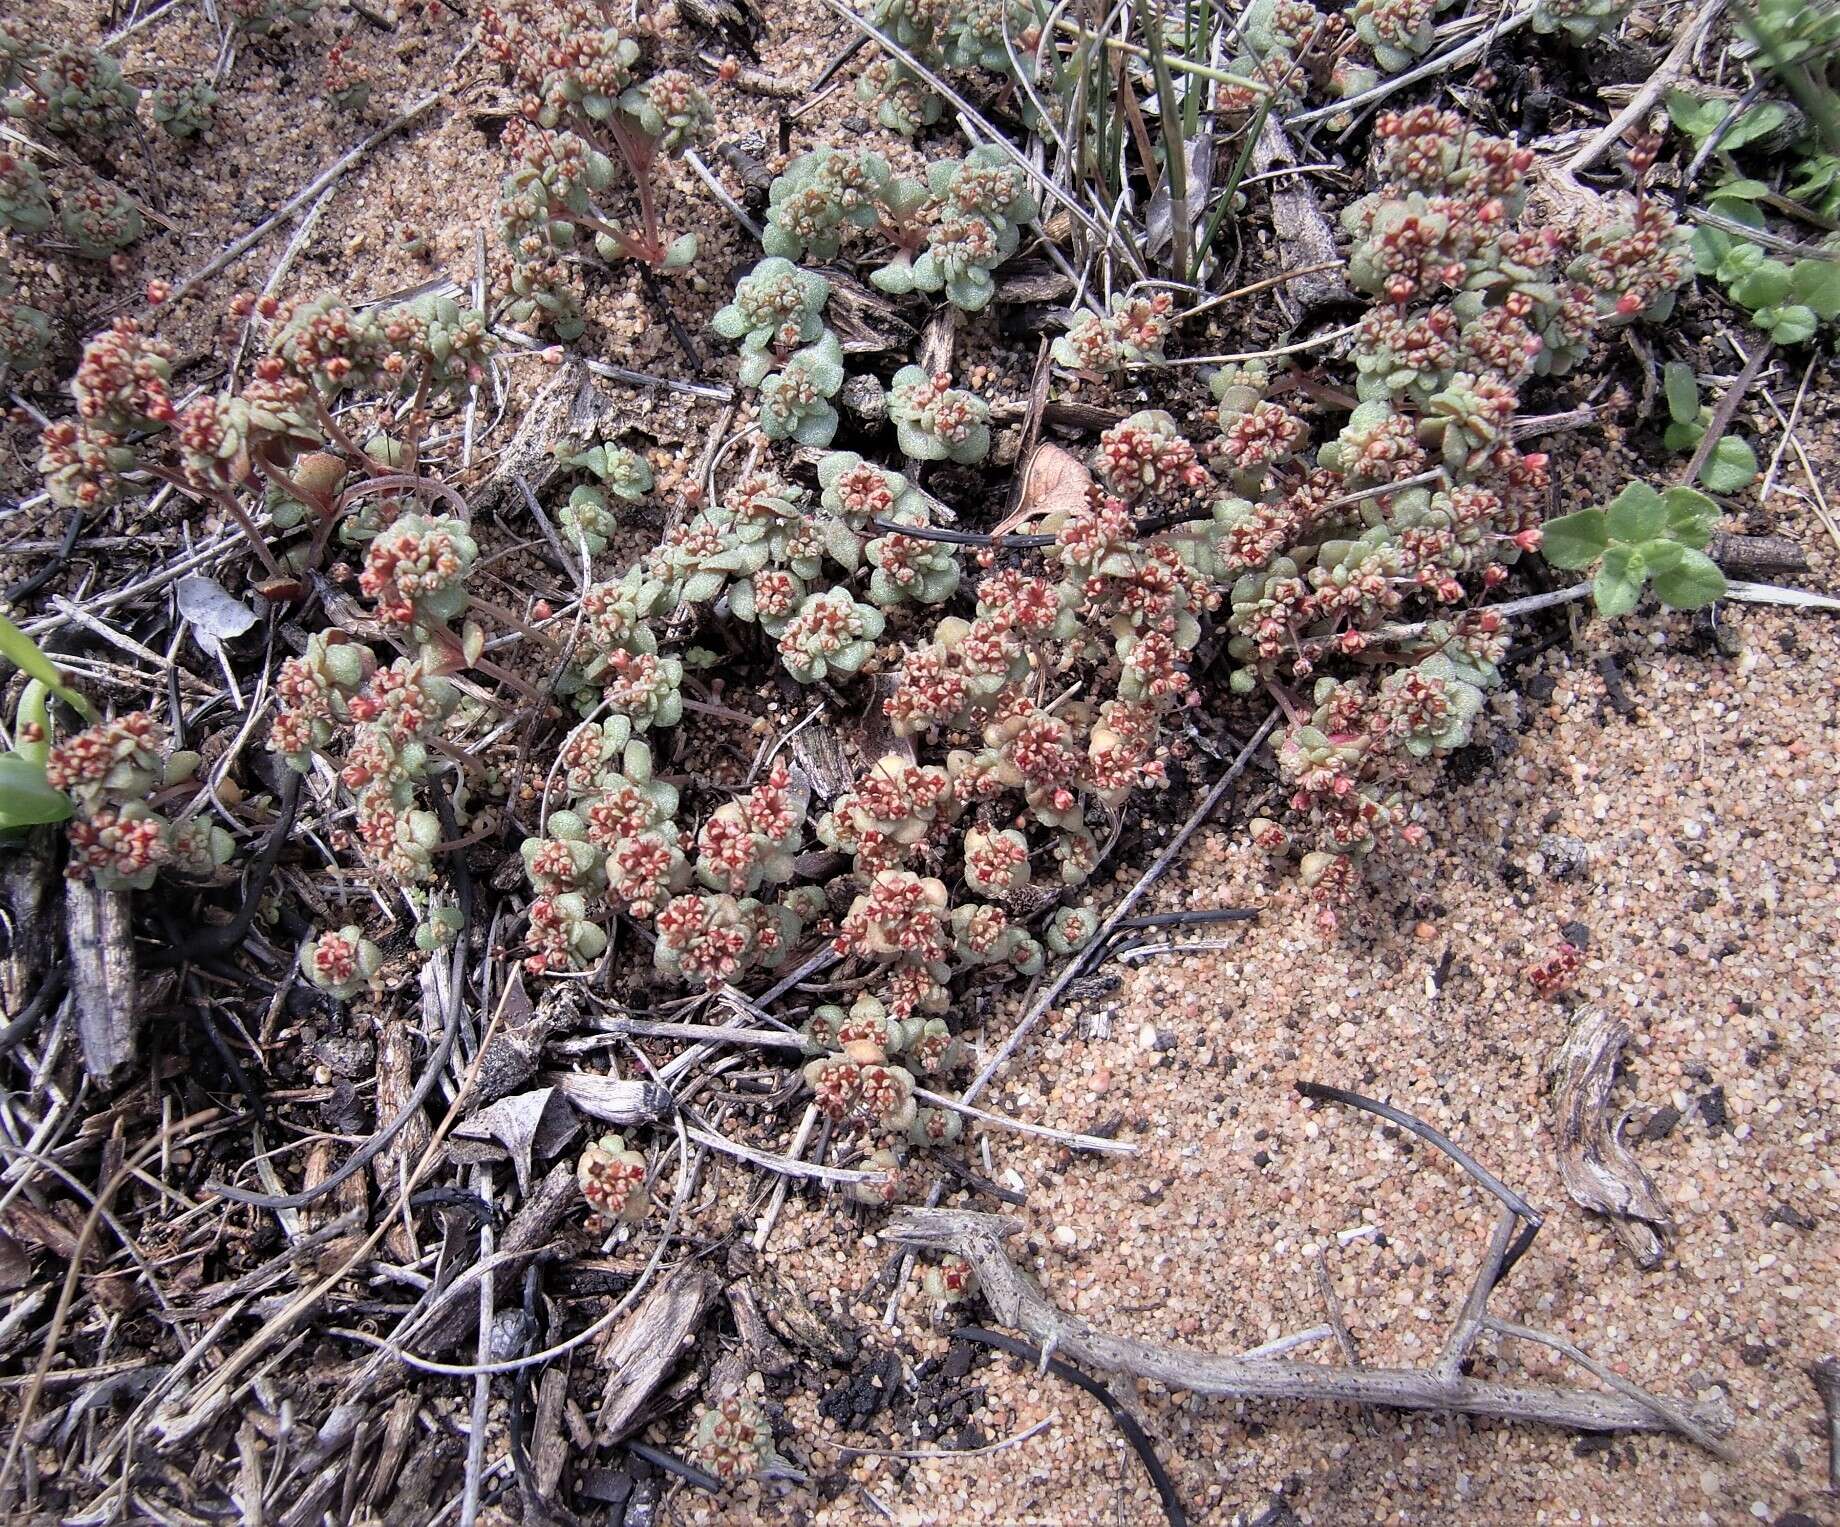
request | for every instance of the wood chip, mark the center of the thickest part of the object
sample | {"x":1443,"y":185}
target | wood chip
{"x":102,"y":978}
{"x":1599,"y":1171}
{"x":642,"y":1351}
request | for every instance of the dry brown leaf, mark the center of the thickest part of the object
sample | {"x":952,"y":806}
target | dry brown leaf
{"x":1055,"y":480}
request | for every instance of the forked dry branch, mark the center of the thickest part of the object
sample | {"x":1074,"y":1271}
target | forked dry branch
{"x":1018,"y":1302}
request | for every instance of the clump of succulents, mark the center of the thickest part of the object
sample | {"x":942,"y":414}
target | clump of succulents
{"x":713,"y":940}
{"x":1580,"y":20}
{"x":19,"y":46}
{"x":341,"y":962}
{"x":1421,"y":495}
{"x":1286,"y":45}
{"x":830,"y":633}
{"x":795,"y":400}
{"x":733,"y":1438}
{"x":978,"y":207}
{"x":786,"y":351}
{"x":1400,"y":32}
{"x":999,"y":37}
{"x":948,"y":234}
{"x":1108,"y":343}
{"x":935,"y":421}
{"x":1633,"y":264}
{"x":24,"y":205}
{"x":778,"y":308}
{"x":826,"y":194}
{"x":25,"y":331}
{"x":97,"y":217}
{"x":183,"y":111}
{"x":588,"y":123}
{"x":613,"y":1181}
{"x":348,"y":82}
{"x":76,"y":92}
{"x":278,"y":431}
{"x":115,"y":773}
{"x":621,"y":473}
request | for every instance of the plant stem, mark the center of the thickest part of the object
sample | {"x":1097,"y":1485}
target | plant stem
{"x":227,"y":502}
{"x":1181,"y":65}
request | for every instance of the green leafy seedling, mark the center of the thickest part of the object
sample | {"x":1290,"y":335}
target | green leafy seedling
{"x":1731,"y":464}
{"x":26,"y":799}
{"x":1641,"y":537}
{"x":24,"y":654}
{"x":1699,"y":120}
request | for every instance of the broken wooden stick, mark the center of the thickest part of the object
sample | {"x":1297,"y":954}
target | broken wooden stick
{"x":1598,"y":1170}
{"x":1016,"y":1301}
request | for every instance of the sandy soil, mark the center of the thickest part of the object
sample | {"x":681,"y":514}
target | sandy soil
{"x":1711,"y":909}
{"x":1708,"y":902}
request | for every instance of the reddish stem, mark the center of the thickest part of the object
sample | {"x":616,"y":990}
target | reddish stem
{"x":227,"y":502}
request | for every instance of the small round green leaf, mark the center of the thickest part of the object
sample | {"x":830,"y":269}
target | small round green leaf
{"x":1636,"y":514}
{"x":1690,"y":517}
{"x":1764,"y":287}
{"x":1619,"y":581}
{"x":1731,"y":465}
{"x":1790,"y":324}
{"x":1816,"y":284}
{"x":1692,"y":582}
{"x":1574,"y":540}
{"x":1682,"y":392}
{"x":1659,"y":556}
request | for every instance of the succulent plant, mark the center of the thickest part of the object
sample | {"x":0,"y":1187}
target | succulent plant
{"x":1634,"y":265}
{"x":824,"y":194}
{"x":829,"y":634}
{"x":24,"y":206}
{"x":348,"y":82}
{"x":733,"y":1438}
{"x":750,"y":842}
{"x":587,"y":520}
{"x":670,"y":109}
{"x":314,"y":693}
{"x":584,"y":114}
{"x":777,"y":308}
{"x":982,"y":202}
{"x":709,"y":940}
{"x":910,"y":568}
{"x":1581,"y":20}
{"x":891,"y":812}
{"x":97,"y":218}
{"x":1071,"y":929}
{"x":20,"y":47}
{"x":951,"y":1281}
{"x":795,"y":400}
{"x":1400,"y":32}
{"x":25,"y":333}
{"x":857,"y":491}
{"x":613,"y":1180}
{"x":935,"y":421}
{"x":1132,"y":332}
{"x":872,"y":1094}
{"x":183,"y":111}
{"x":416,"y":572}
{"x":562,"y":935}
{"x":341,"y":963}
{"x":77,"y":92}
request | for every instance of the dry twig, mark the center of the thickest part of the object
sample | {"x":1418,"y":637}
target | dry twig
{"x":1018,"y":1302}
